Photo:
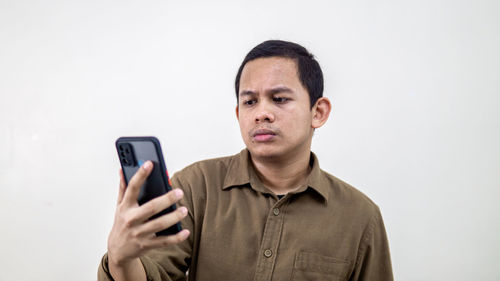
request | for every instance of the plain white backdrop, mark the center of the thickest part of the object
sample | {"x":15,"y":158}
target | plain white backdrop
{"x":415,"y":87}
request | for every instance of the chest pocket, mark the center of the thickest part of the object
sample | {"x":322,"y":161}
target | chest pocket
{"x":314,"y":267}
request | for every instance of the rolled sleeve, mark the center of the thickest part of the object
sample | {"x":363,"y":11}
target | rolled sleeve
{"x":103,"y":271}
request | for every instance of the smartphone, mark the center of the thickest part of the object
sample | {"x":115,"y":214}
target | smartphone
{"x":133,"y":152}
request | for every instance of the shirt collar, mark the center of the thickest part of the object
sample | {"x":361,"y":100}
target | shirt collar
{"x":237,"y":171}
{"x":241,"y":172}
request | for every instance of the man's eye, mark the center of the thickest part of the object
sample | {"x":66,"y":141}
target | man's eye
{"x":249,"y":102}
{"x":280,"y":100}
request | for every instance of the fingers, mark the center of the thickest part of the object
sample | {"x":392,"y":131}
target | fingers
{"x":134,"y":186}
{"x":133,"y":233}
{"x":162,"y":222}
{"x":168,"y":240}
{"x":123,"y":186}
{"x":158,"y":204}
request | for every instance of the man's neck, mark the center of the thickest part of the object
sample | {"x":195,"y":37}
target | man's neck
{"x":283,"y":175}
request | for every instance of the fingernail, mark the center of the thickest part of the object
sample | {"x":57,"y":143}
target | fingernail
{"x":178,"y":193}
{"x":147,"y":165}
{"x":183,"y":210}
{"x":185,"y":233}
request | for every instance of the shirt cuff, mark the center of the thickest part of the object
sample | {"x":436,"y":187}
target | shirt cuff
{"x":150,"y":268}
{"x":103,"y":271}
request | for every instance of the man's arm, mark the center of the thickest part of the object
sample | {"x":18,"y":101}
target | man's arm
{"x":133,"y":234}
{"x":373,"y":262}
{"x":135,"y":272}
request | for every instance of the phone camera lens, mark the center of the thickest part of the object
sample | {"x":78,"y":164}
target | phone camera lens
{"x":122,"y":154}
{"x":121,"y":147}
{"x":125,"y":161}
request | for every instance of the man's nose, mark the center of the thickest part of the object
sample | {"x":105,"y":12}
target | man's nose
{"x":264,"y":113}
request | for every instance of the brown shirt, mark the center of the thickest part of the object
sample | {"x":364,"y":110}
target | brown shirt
{"x":240,"y":230}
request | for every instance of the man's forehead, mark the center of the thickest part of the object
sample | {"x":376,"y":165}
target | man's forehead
{"x":272,"y":72}
{"x":270,"y":64}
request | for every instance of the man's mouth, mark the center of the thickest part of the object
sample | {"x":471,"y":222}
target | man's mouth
{"x":262,"y":135}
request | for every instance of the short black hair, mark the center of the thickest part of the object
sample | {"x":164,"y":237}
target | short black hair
{"x":308,"y":68}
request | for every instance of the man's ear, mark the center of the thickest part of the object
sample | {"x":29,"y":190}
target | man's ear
{"x":237,"y":113}
{"x":320,"y":112}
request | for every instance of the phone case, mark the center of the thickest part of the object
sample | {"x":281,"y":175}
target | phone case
{"x":133,"y":152}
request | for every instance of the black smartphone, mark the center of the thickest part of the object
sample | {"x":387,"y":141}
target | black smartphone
{"x":133,"y":152}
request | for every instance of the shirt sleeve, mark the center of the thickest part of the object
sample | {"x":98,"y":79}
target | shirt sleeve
{"x":373,"y":262}
{"x":164,"y":264}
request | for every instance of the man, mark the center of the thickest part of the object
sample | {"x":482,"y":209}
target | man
{"x":267,"y":213}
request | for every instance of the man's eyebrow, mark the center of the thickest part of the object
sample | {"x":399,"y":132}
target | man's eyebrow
{"x":276,"y":90}
{"x":280,"y":89}
{"x":246,"y":93}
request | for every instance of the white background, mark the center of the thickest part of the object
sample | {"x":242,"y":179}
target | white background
{"x":415,"y":123}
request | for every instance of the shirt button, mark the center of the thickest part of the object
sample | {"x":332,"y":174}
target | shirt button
{"x":276,"y":211}
{"x":268,"y":253}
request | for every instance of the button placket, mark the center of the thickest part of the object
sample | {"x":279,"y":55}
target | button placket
{"x":270,"y":242}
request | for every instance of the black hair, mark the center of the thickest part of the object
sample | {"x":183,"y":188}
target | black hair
{"x":309,"y":71}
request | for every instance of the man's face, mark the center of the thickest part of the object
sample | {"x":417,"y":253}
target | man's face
{"x":274,"y":110}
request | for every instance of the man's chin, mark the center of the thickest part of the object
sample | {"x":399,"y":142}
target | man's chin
{"x":265,"y":152}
